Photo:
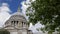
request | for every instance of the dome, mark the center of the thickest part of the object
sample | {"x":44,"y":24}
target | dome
{"x":18,"y":15}
{"x":18,"y":12}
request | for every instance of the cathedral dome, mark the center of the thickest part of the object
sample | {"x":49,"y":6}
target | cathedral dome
{"x":16,"y":19}
{"x":18,"y":12}
{"x":17,"y":24}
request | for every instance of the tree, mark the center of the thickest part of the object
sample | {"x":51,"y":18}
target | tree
{"x":47,"y":12}
{"x":3,"y":31}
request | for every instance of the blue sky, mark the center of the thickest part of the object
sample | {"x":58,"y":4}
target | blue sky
{"x":13,"y":4}
{"x":7,"y":6}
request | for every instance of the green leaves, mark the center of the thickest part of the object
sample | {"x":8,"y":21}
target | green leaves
{"x":45,"y":11}
{"x":3,"y":31}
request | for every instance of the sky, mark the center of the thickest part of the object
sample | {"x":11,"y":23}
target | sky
{"x":8,"y":7}
{"x":13,"y":4}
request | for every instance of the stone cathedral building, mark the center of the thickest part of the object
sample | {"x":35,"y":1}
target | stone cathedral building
{"x":17,"y":24}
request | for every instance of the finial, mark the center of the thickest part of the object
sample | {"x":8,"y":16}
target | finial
{"x":18,"y":10}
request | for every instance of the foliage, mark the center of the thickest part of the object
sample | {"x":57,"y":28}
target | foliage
{"x":45,"y":11}
{"x":3,"y":31}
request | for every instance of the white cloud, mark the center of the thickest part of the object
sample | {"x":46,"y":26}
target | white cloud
{"x":4,"y":13}
{"x":24,"y":8}
{"x":39,"y":25}
{"x":34,"y":27}
{"x":25,"y":5}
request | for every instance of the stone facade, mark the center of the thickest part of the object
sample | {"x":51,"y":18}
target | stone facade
{"x":17,"y":24}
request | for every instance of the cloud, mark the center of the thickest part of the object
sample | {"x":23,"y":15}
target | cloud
{"x":34,"y":27}
{"x":39,"y":25}
{"x":25,"y":5}
{"x":4,"y":13}
{"x":24,"y":8}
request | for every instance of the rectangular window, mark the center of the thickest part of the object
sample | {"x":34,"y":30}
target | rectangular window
{"x":14,"y":23}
